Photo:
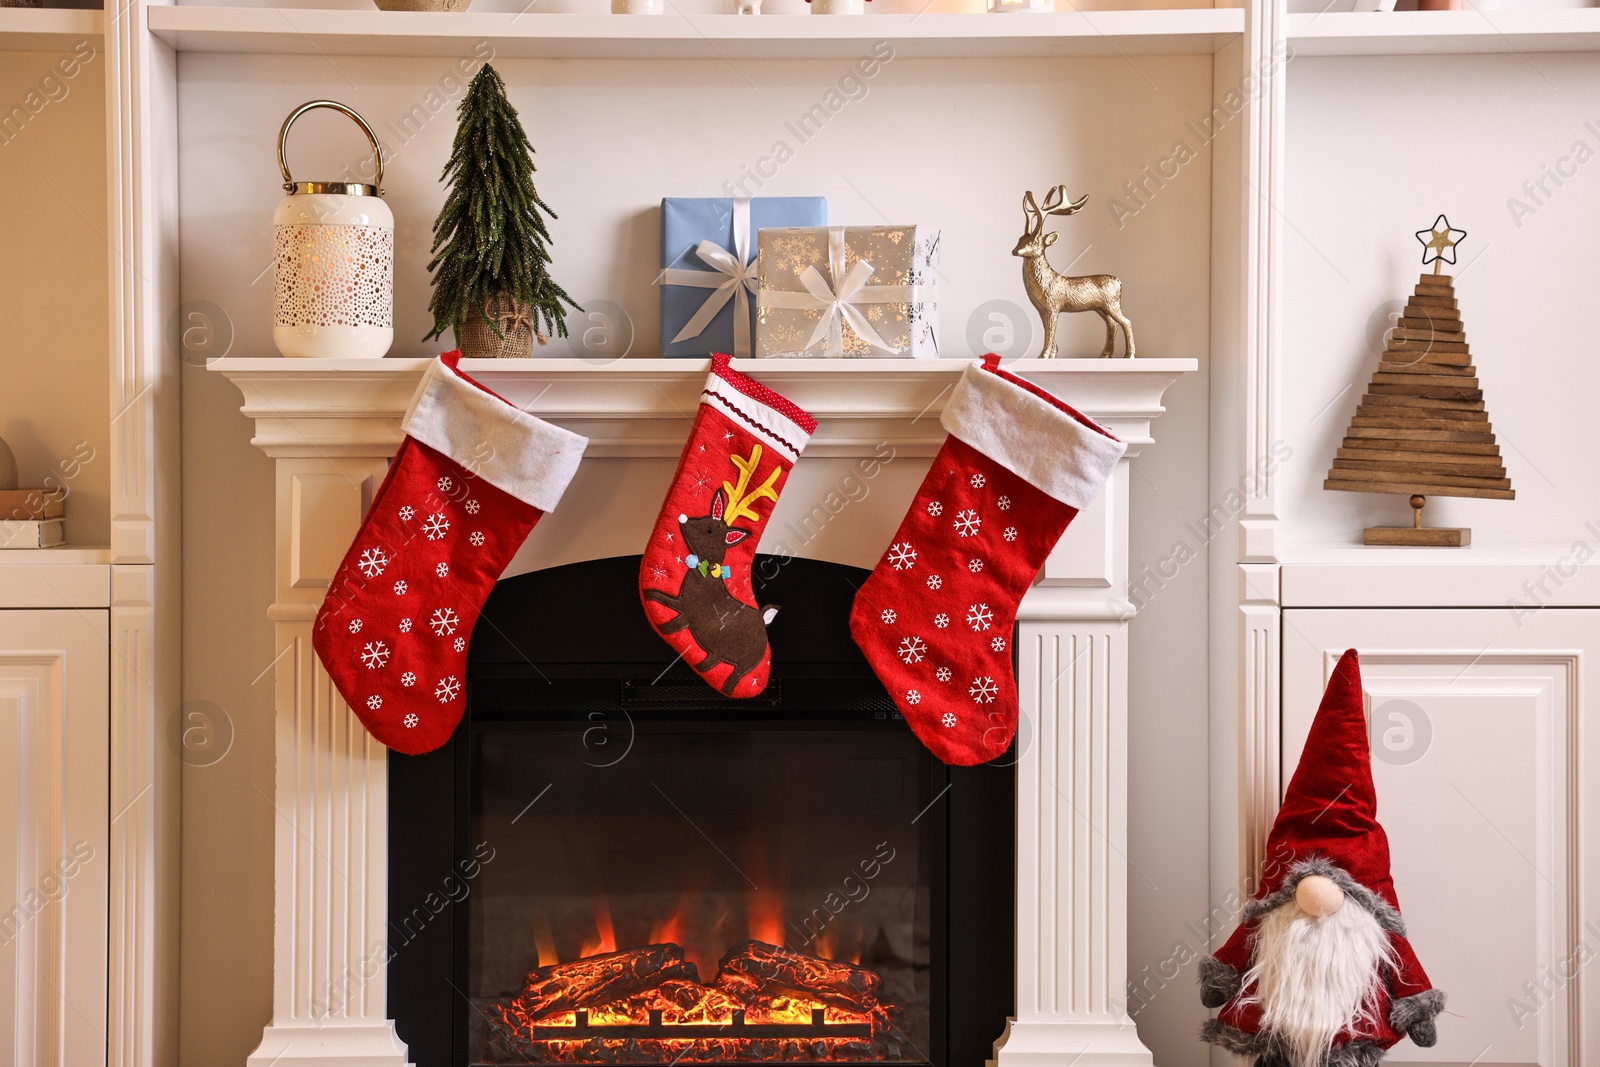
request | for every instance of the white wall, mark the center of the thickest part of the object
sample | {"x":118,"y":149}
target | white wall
{"x":225,"y":967}
{"x":54,"y":400}
{"x":951,"y":145}
{"x":945,"y":144}
{"x":1525,"y":287}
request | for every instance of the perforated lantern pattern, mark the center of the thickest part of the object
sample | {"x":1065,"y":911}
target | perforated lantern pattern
{"x":333,"y":257}
{"x":334,"y":276}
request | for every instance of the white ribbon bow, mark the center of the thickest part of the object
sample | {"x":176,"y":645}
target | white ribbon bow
{"x":839,"y":307}
{"x":842,"y":304}
{"x":732,"y":276}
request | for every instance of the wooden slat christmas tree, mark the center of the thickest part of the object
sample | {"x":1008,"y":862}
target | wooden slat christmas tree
{"x":1421,"y":428}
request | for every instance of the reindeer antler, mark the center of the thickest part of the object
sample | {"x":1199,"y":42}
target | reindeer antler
{"x":1055,"y":203}
{"x":740,"y":497}
{"x":1031,"y":214}
{"x":1058,"y":204}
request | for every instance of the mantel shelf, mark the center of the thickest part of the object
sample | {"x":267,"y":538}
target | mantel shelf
{"x":310,"y":31}
{"x":1445,"y":32}
{"x":642,"y":407}
{"x":47,"y":29}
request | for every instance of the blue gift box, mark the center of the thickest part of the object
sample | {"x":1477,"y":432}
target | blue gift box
{"x":703,"y":279}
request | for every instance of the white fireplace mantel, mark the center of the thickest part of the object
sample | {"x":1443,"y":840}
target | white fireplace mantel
{"x":331,"y":426}
{"x":637,"y":407}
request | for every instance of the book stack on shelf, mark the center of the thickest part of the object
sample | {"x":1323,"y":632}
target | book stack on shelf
{"x":32,"y":518}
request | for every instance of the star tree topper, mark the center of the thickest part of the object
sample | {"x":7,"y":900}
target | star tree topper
{"x":1439,"y":243}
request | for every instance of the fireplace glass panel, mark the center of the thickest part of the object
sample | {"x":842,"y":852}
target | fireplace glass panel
{"x":721,"y":886}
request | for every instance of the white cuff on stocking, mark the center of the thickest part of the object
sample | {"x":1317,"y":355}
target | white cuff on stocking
{"x":508,"y":448}
{"x":1042,"y":441}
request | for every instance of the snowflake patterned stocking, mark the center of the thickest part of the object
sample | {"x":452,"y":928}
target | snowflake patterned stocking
{"x":472,"y":477}
{"x":695,"y":576}
{"x":935,"y":618}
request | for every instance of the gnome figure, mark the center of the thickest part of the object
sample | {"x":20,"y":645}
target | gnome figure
{"x":1319,"y":973}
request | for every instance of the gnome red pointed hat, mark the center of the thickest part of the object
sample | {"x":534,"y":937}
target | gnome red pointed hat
{"x":1330,"y":812}
{"x":1327,"y":826}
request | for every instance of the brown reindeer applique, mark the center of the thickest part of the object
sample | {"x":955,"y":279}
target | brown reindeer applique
{"x":728,"y":630}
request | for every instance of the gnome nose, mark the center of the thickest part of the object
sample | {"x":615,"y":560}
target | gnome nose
{"x":1318,"y":896}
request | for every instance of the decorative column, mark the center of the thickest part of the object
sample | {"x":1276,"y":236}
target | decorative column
{"x":145,"y":639}
{"x":329,"y":997}
{"x":1072,"y":798}
{"x":1260,"y":743}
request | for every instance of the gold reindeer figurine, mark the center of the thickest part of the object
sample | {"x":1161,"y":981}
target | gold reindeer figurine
{"x":1054,"y":293}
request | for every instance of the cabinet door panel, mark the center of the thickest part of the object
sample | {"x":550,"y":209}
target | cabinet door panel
{"x":1479,"y":756}
{"x":54,"y":744}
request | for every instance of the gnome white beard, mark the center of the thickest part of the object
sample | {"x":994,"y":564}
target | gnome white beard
{"x":1316,"y":977}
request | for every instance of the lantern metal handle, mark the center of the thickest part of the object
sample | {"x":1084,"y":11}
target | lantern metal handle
{"x":312,"y":105}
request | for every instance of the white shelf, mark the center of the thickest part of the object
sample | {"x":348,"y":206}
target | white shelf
{"x":307,"y":31}
{"x":1408,"y":33}
{"x":43,"y":29}
{"x":1489,"y":575}
{"x":70,"y":576}
{"x":73,"y":555}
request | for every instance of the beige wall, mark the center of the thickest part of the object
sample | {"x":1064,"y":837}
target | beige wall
{"x":54,"y":396}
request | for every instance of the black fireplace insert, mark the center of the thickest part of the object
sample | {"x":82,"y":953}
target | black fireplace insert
{"x":611,"y":863}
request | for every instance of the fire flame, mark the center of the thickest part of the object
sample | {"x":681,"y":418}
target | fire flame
{"x":606,"y":939}
{"x":823,"y":946}
{"x":544,"y":942}
{"x":764,"y":910}
{"x":668,"y":929}
{"x":763,"y":922}
{"x":842,"y":946}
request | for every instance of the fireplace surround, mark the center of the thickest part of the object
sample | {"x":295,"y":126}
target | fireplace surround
{"x":641,"y":871}
{"x":331,"y":426}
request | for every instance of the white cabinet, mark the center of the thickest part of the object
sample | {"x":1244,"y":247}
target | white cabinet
{"x":54,"y":855}
{"x":1482,"y":730}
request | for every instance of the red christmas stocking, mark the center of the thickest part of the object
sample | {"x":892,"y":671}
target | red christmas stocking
{"x":935,"y":618}
{"x":471,"y":478}
{"x":695,"y":577}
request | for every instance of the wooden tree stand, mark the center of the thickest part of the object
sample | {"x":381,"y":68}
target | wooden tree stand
{"x":1421,"y":429}
{"x":1418,"y":534}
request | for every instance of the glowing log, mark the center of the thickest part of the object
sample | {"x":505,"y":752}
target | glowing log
{"x":757,"y":972}
{"x":604,"y":979}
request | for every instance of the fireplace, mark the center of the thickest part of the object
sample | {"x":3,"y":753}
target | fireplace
{"x":368,"y":875}
{"x":611,"y":863}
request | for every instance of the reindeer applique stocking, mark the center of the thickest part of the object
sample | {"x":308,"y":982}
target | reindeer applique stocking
{"x":695,"y":577}
{"x":935,"y":619}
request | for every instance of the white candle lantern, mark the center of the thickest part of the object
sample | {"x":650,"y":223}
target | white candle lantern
{"x":334,"y":258}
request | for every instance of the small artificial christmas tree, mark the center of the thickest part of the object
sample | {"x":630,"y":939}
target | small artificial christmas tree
{"x":1422,"y":429}
{"x":491,"y":279}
